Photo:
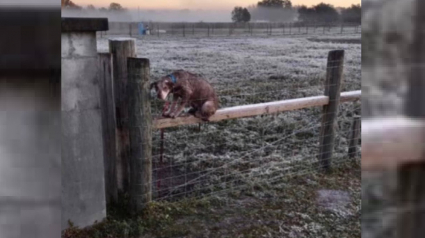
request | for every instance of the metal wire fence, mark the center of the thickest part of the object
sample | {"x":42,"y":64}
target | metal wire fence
{"x":157,"y":29}
{"x":226,"y":156}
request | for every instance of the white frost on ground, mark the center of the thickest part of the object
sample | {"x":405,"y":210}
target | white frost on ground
{"x":232,"y":59}
{"x":258,"y":150}
{"x":335,"y":201}
{"x":246,"y":71}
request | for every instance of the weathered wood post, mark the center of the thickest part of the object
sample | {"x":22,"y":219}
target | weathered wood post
{"x":184,"y":30}
{"x":332,"y":90}
{"x":412,"y":176}
{"x":354,"y":137}
{"x":108,"y":126}
{"x":140,"y":125}
{"x":129,"y":28}
{"x":121,"y":49}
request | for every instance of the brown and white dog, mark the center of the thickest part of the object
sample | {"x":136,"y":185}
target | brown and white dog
{"x":193,"y":91}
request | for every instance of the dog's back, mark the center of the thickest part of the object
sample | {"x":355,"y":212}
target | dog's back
{"x":200,"y":91}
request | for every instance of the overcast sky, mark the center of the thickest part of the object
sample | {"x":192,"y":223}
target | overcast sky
{"x":202,"y":4}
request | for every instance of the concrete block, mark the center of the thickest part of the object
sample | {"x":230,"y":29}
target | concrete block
{"x":83,"y":182}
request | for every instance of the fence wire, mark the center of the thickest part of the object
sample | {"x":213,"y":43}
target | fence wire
{"x":228,"y":29}
{"x":214,"y":158}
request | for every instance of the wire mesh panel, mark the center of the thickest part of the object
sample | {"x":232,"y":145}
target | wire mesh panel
{"x":208,"y":159}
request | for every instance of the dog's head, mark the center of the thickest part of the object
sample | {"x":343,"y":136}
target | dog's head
{"x":162,"y":87}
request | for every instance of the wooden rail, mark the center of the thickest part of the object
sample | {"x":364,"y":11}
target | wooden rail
{"x":388,"y":143}
{"x":257,"y":109}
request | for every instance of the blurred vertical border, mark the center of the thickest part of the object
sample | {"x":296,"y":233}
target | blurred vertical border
{"x":30,"y":128}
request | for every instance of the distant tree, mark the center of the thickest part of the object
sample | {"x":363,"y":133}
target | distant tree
{"x":352,"y":14}
{"x":69,"y":4}
{"x":275,"y":3}
{"x":246,"y":15}
{"x":306,"y":14}
{"x":321,"y":12}
{"x":326,"y":12}
{"x":102,"y":9}
{"x":115,"y":7}
{"x":240,"y":14}
{"x":91,"y":7}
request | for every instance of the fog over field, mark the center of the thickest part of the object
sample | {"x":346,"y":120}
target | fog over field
{"x":185,"y":15}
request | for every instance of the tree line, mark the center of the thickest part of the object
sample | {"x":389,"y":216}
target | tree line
{"x":284,"y":11}
{"x":68,"y":4}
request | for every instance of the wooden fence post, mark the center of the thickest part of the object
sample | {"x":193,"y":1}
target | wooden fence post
{"x":121,"y":50}
{"x":184,"y":30}
{"x":332,"y":90}
{"x":354,"y":137}
{"x":129,"y":28}
{"x":412,"y":176}
{"x":140,"y":124}
{"x":107,"y":107}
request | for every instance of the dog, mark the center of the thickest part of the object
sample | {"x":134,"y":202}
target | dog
{"x":192,"y":89}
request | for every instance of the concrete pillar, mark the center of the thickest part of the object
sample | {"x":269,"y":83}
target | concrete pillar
{"x":83,"y":186}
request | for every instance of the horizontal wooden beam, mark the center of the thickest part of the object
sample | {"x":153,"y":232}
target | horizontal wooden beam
{"x":257,"y":109}
{"x":388,"y":143}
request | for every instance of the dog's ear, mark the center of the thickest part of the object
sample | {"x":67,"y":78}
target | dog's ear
{"x":152,"y":85}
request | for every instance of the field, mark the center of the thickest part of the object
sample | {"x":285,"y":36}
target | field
{"x":257,"y":177}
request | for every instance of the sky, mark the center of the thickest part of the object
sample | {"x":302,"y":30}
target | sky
{"x":202,"y":4}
